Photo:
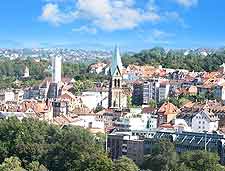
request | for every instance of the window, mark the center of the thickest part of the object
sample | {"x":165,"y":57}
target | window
{"x":115,"y":83}
{"x":118,"y":82}
{"x":199,"y":122}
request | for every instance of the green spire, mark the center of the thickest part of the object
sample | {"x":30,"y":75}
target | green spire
{"x":116,"y":61}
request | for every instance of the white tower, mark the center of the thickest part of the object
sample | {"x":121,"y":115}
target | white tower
{"x":57,"y":67}
{"x":26,"y":72}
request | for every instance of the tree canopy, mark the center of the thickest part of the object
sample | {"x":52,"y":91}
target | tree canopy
{"x":37,"y":146}
{"x":165,"y":158}
{"x":176,"y":59}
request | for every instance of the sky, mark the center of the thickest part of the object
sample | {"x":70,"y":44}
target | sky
{"x":100,"y":24}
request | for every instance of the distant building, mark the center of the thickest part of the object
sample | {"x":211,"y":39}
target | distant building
{"x":167,"y":112}
{"x":97,"y":68}
{"x":56,"y":72}
{"x":154,"y":90}
{"x":93,"y":99}
{"x":137,"y":94}
{"x":150,"y":90}
{"x":54,"y":88}
{"x":6,"y":96}
{"x":205,"y":121}
{"x":163,"y":92}
{"x":219,"y":92}
{"x":26,"y":73}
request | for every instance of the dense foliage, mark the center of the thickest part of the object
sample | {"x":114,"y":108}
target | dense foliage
{"x":165,"y":158}
{"x":34,"y":142}
{"x":124,"y":164}
{"x":12,"y":70}
{"x":176,"y":59}
{"x":15,"y":164}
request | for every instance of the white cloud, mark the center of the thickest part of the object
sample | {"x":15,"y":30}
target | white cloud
{"x":187,"y":3}
{"x":85,"y":29}
{"x":52,"y":14}
{"x":110,"y":15}
{"x":156,"y":37}
{"x":106,"y":14}
{"x":159,"y":34}
{"x":173,"y":15}
{"x":115,"y":14}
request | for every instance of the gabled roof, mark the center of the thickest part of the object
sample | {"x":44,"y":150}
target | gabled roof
{"x":210,"y":115}
{"x":168,"y":108}
{"x":67,"y":96}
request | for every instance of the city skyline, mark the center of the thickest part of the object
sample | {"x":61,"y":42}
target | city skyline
{"x":99,"y":24}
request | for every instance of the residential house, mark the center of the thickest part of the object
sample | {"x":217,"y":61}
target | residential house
{"x":167,"y":112}
{"x":205,"y":120}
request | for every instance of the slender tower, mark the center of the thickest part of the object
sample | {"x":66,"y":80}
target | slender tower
{"x":115,"y":84}
{"x":57,"y":69}
{"x":53,"y":91}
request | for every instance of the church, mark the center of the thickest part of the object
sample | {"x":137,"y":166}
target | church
{"x":117,"y":96}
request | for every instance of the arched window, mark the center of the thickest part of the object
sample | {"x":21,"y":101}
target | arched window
{"x":118,"y":82}
{"x":114,"y":103}
{"x":115,"y":83}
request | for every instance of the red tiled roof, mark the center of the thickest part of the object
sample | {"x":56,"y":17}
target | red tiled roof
{"x":168,"y":108}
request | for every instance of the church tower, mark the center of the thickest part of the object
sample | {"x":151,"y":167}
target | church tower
{"x":116,"y":97}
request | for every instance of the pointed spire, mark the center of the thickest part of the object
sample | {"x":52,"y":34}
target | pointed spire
{"x":116,"y":60}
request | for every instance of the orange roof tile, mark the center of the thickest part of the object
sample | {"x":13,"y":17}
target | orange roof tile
{"x":168,"y":108}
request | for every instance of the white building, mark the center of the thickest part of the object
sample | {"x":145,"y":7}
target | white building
{"x":92,"y":99}
{"x":88,"y":121}
{"x":154,"y":90}
{"x":205,"y":121}
{"x":19,"y":95}
{"x":150,"y":90}
{"x":26,"y":73}
{"x":138,"y":122}
{"x":57,"y":69}
{"x":163,"y":92}
{"x":181,"y":125}
{"x":9,"y":96}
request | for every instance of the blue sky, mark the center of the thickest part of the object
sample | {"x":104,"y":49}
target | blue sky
{"x":133,"y":24}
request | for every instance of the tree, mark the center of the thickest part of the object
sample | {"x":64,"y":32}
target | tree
{"x":70,"y":148}
{"x":176,"y":59}
{"x":124,"y":164}
{"x":97,"y":162}
{"x":11,"y":164}
{"x":152,"y":104}
{"x":36,"y":166}
{"x":199,"y":161}
{"x":162,"y":158}
{"x":129,"y":101}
